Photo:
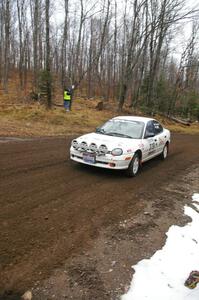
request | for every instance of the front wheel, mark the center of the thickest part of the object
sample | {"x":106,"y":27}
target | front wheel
{"x":134,"y":166}
{"x":165,"y":152}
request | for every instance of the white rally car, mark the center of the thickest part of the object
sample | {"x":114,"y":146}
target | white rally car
{"x":123,"y":142}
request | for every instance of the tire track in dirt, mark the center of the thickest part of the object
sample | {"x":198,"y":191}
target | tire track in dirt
{"x":52,"y":208}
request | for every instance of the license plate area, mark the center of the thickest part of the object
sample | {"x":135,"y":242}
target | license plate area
{"x":89,"y":158}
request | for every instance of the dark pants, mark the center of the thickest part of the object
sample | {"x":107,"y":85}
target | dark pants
{"x":67,"y":104}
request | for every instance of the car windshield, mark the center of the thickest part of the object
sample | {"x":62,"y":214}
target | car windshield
{"x":122,"y":128}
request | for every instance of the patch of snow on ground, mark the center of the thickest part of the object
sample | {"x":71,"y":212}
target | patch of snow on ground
{"x":162,"y":277}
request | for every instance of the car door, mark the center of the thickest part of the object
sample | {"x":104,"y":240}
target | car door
{"x":150,"y":141}
{"x":159,"y":136}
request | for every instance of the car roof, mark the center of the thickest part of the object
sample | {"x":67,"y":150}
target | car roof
{"x":133,"y":118}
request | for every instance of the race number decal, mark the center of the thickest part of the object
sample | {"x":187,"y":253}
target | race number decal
{"x":151,"y":146}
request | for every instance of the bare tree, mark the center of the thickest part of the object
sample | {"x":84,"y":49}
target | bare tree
{"x":47,"y":67}
{"x":6,"y":46}
{"x":187,"y":72}
{"x":1,"y":39}
{"x":21,"y":11}
{"x":35,"y":5}
{"x":64,"y":44}
{"x":119,"y":52}
{"x":137,"y":37}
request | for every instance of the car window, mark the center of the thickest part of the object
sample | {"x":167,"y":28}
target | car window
{"x":149,"y":128}
{"x":123,"y":128}
{"x":158,"y":127}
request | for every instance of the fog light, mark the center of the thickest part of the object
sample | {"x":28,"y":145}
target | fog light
{"x":112,"y":165}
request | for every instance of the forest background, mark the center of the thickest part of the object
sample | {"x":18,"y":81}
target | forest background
{"x":134,"y":54}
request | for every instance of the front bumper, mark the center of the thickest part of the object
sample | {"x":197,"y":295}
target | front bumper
{"x":107,"y":161}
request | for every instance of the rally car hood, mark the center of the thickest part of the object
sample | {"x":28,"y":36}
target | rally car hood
{"x":110,"y":141}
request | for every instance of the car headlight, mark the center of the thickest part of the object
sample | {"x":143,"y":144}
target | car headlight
{"x":75,"y":144}
{"x":117,"y":151}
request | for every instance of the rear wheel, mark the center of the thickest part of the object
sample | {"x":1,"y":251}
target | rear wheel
{"x":134,"y":166}
{"x":165,"y":151}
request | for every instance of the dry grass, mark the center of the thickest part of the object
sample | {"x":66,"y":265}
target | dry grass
{"x":20,"y":118}
{"x":35,"y":120}
{"x":176,"y":127}
{"x":193,"y":129}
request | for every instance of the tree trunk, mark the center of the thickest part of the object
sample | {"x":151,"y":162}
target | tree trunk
{"x":7,"y":45}
{"x":64,"y":44}
{"x":48,"y":78}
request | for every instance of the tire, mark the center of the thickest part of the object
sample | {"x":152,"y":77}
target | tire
{"x":134,"y":166}
{"x":165,"y":152}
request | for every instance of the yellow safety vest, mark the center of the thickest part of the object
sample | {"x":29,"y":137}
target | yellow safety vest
{"x":67,"y":97}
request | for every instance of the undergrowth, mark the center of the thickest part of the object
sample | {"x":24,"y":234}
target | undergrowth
{"x":36,"y":120}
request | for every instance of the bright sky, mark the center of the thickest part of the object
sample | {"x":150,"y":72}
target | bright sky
{"x":162,"y":277}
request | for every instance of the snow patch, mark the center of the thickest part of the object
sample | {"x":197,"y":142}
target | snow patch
{"x":163,"y":276}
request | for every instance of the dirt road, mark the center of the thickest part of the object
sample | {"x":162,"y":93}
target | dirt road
{"x":66,"y":229}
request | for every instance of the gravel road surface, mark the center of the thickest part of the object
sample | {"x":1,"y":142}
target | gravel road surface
{"x":71,"y":231}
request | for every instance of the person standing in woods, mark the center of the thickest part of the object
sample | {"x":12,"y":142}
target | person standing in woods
{"x":71,"y":89}
{"x":67,"y":99}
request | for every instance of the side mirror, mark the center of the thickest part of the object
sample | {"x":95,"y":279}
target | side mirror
{"x":100,"y":130}
{"x":97,"y":129}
